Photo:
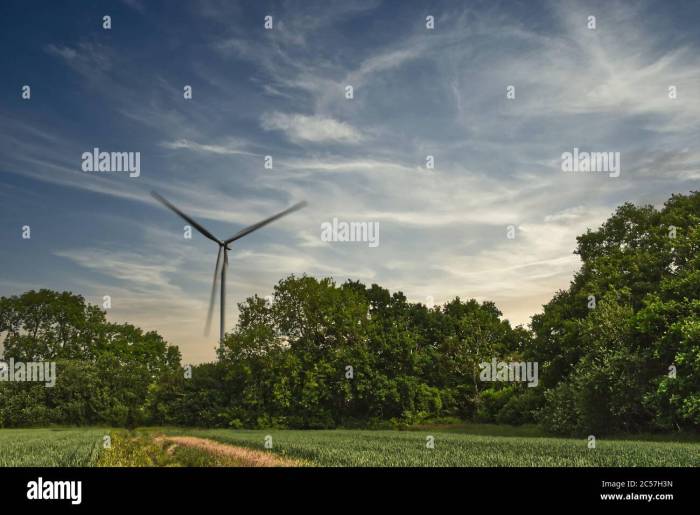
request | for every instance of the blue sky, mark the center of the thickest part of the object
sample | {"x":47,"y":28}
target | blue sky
{"x":280,"y":92}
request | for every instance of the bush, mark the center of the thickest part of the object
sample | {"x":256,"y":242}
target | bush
{"x":521,"y":408}
{"x":491,"y":402}
{"x":560,"y":414}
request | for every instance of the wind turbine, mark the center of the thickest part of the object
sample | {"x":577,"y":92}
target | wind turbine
{"x":223,"y":248}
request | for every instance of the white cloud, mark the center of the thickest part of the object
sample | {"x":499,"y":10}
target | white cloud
{"x":315,"y":129}
{"x":571,"y":213}
{"x":143,"y":271}
{"x":230,"y":148}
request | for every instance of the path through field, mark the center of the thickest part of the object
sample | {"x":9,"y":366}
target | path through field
{"x":242,"y":455}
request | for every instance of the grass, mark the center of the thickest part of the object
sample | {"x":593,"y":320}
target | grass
{"x":359,"y":448}
{"x":526,"y":430}
{"x":50,"y":447}
{"x":464,"y":446}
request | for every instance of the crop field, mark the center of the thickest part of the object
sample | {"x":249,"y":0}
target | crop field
{"x":50,"y":447}
{"x":359,"y":448}
{"x":156,"y":447}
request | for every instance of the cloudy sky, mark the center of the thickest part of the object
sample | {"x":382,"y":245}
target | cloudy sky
{"x":282,"y":92}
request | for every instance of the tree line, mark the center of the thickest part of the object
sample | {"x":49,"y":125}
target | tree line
{"x":618,"y":351}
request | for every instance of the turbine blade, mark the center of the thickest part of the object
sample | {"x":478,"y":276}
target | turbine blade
{"x":194,"y":224}
{"x":258,"y":225}
{"x":212,"y":297}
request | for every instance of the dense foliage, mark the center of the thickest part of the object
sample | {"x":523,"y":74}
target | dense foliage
{"x":619,"y":350}
{"x":631,"y":362}
{"x":104,"y":370}
{"x":322,"y":355}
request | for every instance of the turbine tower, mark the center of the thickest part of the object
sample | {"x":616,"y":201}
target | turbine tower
{"x":223,"y":249}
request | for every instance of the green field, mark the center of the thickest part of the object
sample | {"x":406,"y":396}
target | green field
{"x":452,"y":449}
{"x":50,"y":447}
{"x":83,"y":447}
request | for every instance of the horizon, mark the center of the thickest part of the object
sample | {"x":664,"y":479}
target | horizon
{"x":442,"y":232}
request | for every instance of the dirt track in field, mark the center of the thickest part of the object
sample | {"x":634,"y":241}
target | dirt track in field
{"x":246,"y":457}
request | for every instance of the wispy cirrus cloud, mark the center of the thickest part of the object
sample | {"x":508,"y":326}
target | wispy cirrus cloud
{"x":229,"y":148}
